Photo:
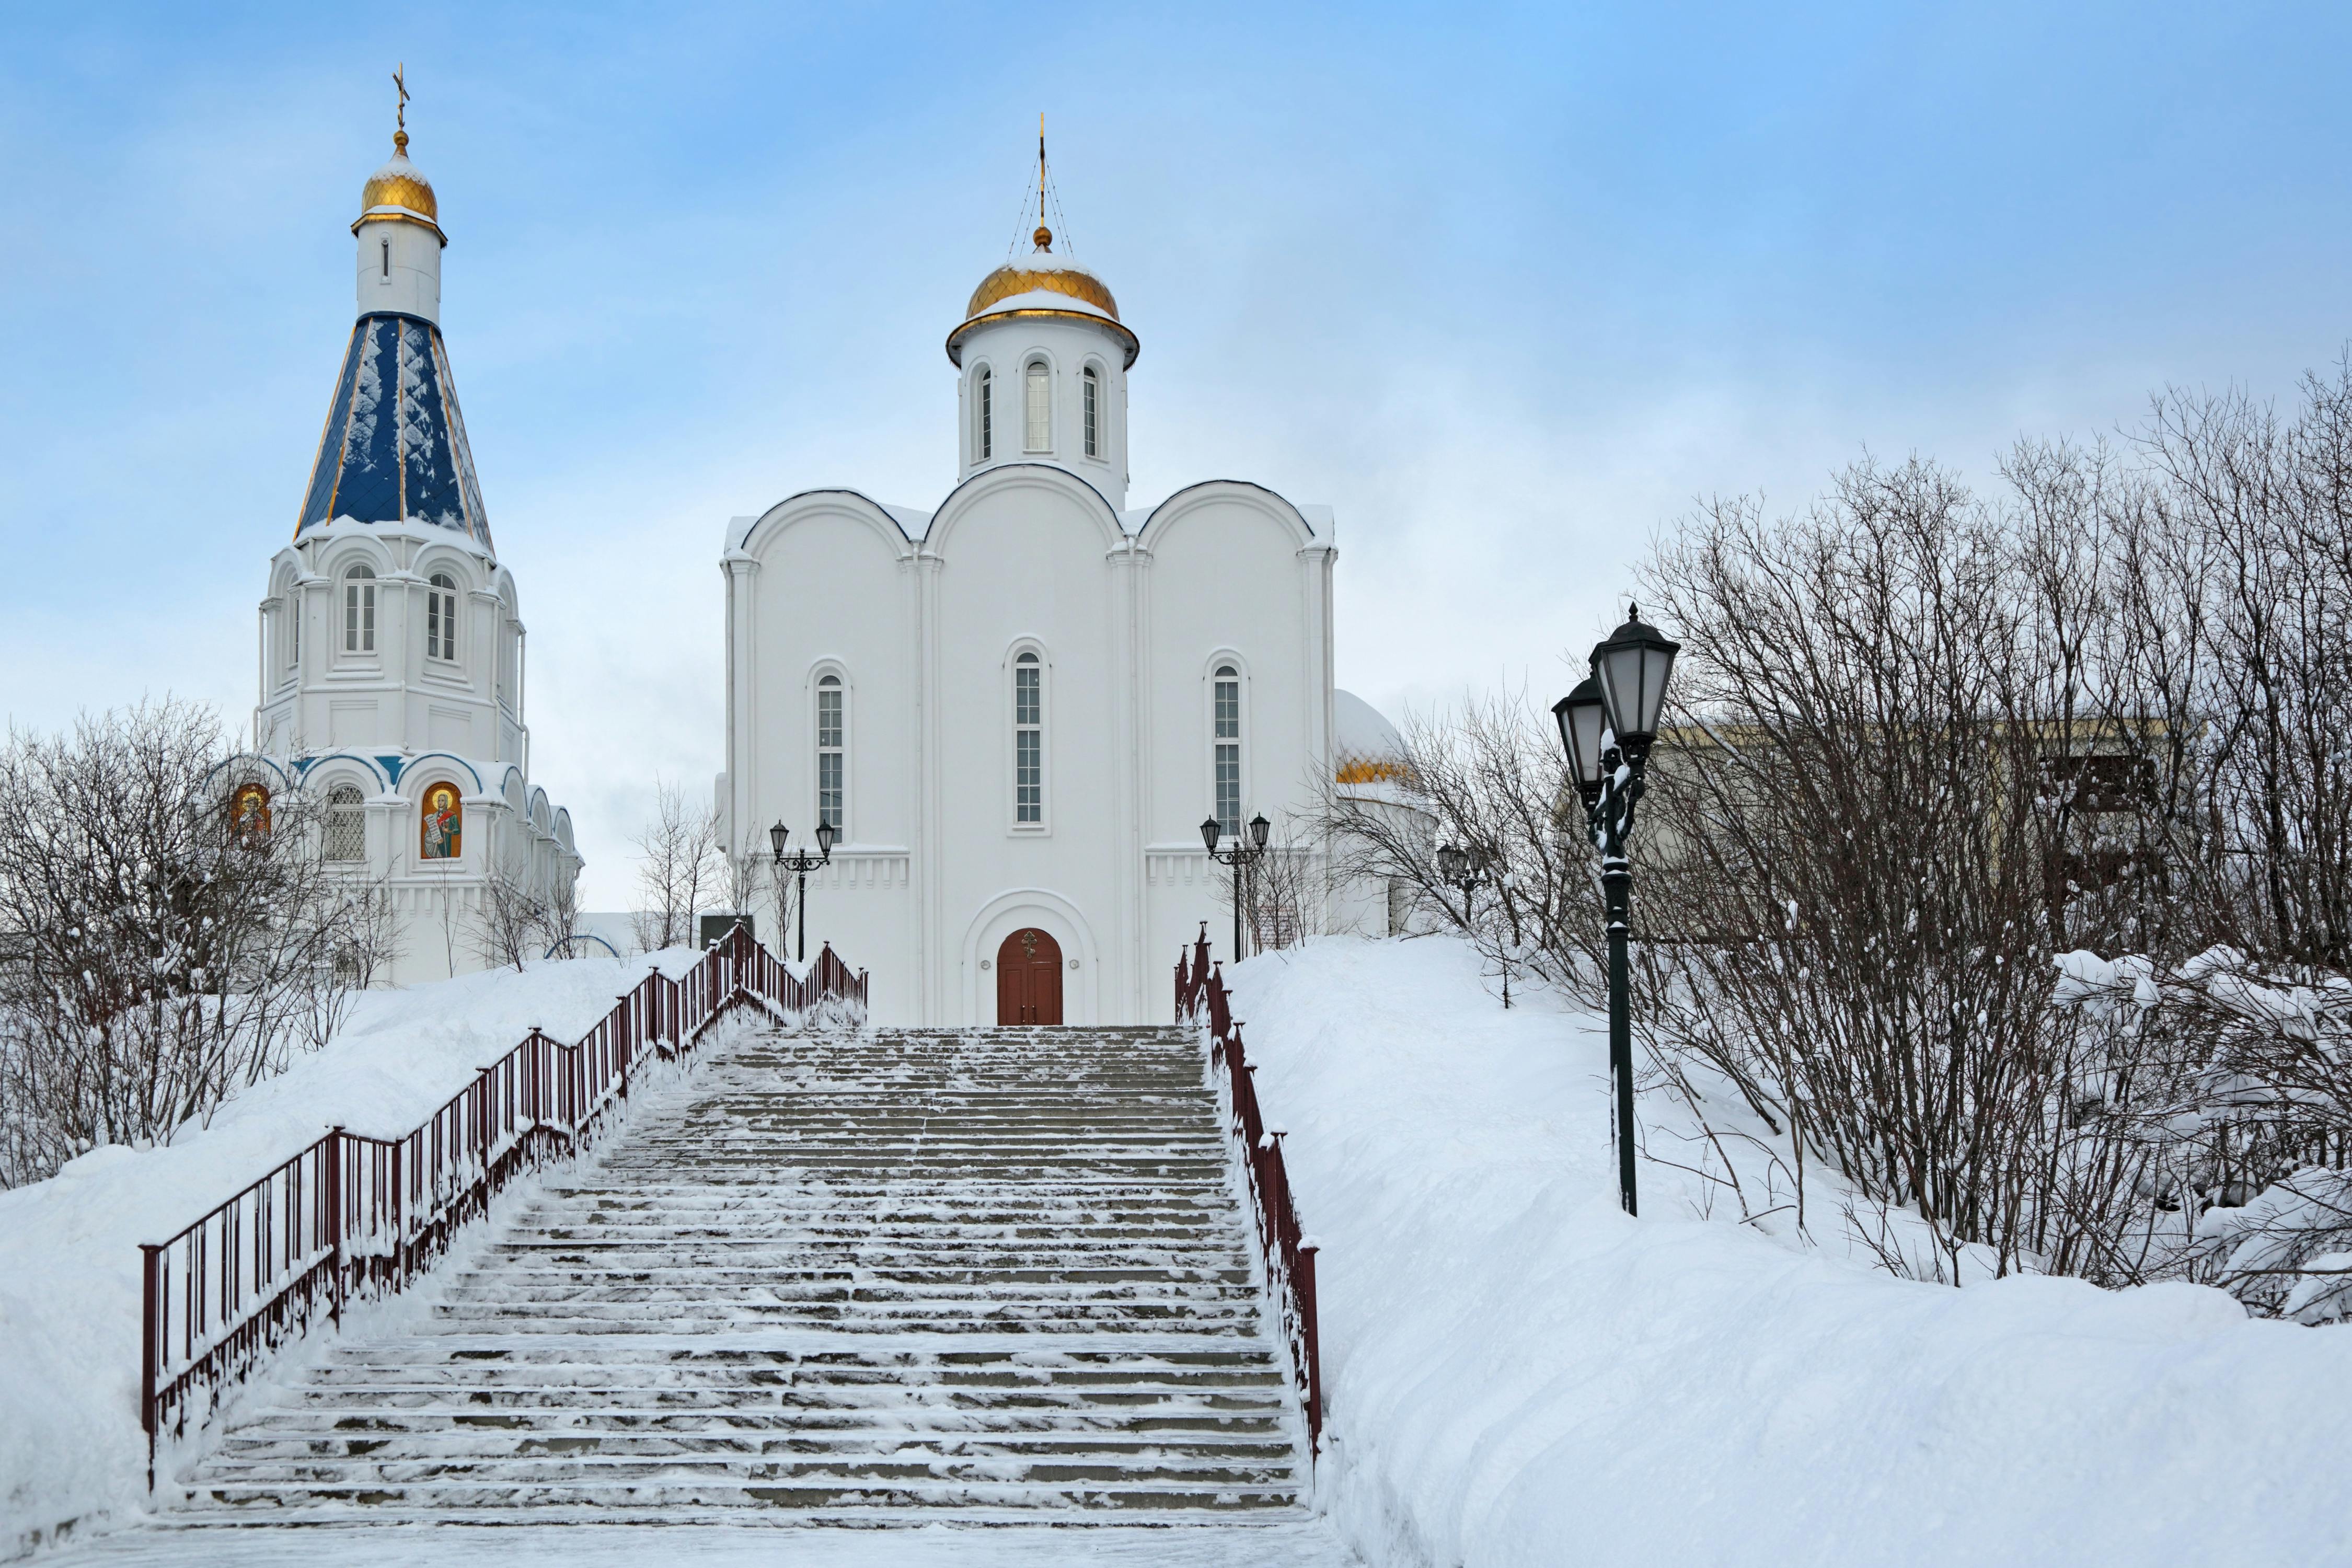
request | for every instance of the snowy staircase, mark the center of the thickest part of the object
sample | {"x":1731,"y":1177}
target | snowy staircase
{"x":992,"y":1275}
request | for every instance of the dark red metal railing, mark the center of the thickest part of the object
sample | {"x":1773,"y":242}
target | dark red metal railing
{"x":356,"y":1216}
{"x":1289,"y":1256}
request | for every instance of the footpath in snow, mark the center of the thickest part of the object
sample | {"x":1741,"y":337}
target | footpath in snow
{"x":1516,"y":1373}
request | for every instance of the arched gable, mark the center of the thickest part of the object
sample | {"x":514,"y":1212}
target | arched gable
{"x":966,"y":497}
{"x":1193,"y":500}
{"x":808,"y":505}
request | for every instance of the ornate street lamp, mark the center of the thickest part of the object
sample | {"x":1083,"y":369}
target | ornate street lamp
{"x":799,"y":862}
{"x":1606,"y":726}
{"x":1240,"y":857}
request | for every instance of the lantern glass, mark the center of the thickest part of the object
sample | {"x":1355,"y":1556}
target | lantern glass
{"x":1452,"y":863}
{"x":825,"y":833}
{"x":1631,"y":668}
{"x":1259,"y":828}
{"x":1208,"y":833}
{"x":1582,"y":717}
{"x":776,"y":836}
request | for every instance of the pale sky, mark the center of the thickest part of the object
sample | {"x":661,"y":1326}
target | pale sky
{"x":1507,"y":290}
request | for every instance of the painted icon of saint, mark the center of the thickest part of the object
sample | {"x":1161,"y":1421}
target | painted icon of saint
{"x":248,"y":812}
{"x":444,"y":825}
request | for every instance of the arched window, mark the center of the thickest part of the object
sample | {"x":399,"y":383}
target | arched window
{"x":1092,"y":384}
{"x":386,"y":254}
{"x":358,"y":610}
{"x":346,"y":824}
{"x":1028,"y":740}
{"x":293,"y":627}
{"x":829,"y":750}
{"x":441,"y":618}
{"x":984,"y":439}
{"x":1228,"y":741}
{"x":1040,"y":434}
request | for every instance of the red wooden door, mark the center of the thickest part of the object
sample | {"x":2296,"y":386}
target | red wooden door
{"x":1029,"y":978}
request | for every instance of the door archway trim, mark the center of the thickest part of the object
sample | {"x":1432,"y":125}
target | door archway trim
{"x":1050,"y":912}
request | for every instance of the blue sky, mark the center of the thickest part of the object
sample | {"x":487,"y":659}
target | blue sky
{"x":1509,"y":289}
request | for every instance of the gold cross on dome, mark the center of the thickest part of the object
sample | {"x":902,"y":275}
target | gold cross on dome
{"x":399,"y":81}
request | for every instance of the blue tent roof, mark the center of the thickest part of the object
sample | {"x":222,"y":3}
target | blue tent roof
{"x":395,"y":447}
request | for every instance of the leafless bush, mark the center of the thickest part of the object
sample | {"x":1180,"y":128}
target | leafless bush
{"x":680,"y":868}
{"x":164,"y":947}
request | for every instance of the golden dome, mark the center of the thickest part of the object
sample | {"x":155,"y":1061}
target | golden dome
{"x":399,"y":184}
{"x":1051,"y":278}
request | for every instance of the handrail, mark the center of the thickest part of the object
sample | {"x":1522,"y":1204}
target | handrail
{"x":1289,"y":1254}
{"x":353,"y":1215}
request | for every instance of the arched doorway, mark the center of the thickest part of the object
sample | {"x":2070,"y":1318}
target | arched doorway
{"x":1029,"y":978}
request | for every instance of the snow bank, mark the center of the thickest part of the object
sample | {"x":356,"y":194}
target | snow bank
{"x":1517,"y":1374}
{"x":70,"y":1447}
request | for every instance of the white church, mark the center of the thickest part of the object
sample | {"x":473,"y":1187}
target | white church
{"x":1013,"y":711}
{"x":392,"y":666}
{"x":1016,"y":707}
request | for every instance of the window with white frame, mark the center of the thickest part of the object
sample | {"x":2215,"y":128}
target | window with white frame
{"x":1228,"y":741}
{"x":829,"y":752}
{"x":1028,"y":740}
{"x":293,"y":628}
{"x":1091,"y":384}
{"x":346,"y":824}
{"x":441,"y":618}
{"x":1040,"y":433}
{"x":984,"y":439}
{"x":358,"y":610}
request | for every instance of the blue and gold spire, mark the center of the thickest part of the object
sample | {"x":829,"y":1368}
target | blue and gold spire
{"x":394,"y":451}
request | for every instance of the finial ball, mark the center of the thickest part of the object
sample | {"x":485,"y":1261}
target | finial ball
{"x":1044,"y":237}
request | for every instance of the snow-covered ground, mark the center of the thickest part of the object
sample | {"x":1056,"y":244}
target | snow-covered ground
{"x":1516,"y":1373}
{"x":70,"y":1447}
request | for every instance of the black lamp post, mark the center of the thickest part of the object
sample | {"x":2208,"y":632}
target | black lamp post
{"x":1606,"y":726}
{"x":800,"y":863}
{"x":1241,"y":857}
{"x":1463,"y":869}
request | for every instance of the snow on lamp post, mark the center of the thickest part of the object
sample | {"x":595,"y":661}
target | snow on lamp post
{"x":1606,"y":726}
{"x":1244,"y":854}
{"x":800,"y":863}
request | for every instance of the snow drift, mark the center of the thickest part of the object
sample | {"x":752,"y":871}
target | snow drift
{"x":1519,"y":1374}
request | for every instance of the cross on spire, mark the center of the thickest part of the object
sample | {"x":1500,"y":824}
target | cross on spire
{"x":1044,"y":237}
{"x":400,"y":114}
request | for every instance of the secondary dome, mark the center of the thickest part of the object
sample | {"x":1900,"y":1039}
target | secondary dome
{"x":399,"y":191}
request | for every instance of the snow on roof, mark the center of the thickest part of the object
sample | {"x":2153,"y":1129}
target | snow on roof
{"x":1045,"y":300}
{"x":1360,"y":732}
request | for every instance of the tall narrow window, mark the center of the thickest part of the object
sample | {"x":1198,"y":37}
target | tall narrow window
{"x":1041,"y":409}
{"x":984,"y":430}
{"x":441,"y":618}
{"x":358,"y":610}
{"x":293,"y":628}
{"x":387,"y":260}
{"x":1229,"y":750}
{"x":1092,"y":383}
{"x":1028,"y":740}
{"x":828,"y":753}
{"x":346,"y":824}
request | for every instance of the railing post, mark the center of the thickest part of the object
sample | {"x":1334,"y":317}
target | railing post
{"x":334,"y":1144}
{"x":151,"y":1258}
{"x":1303,"y":1282}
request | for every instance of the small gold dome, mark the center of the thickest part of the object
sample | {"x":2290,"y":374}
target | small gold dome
{"x":1062,"y":279}
{"x":399,"y":184}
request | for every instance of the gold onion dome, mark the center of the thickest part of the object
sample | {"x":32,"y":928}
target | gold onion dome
{"x":399,"y":191}
{"x":1041,"y":273}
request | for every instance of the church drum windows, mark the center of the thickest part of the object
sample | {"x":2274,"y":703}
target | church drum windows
{"x":358,"y":610}
{"x":441,"y":618}
{"x":830,"y":751}
{"x":1028,"y":742}
{"x":1039,"y":435}
{"x":1090,"y":385}
{"x":983,"y":421}
{"x":1228,"y":741}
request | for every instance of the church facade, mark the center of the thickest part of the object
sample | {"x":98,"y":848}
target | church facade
{"x":392,"y":666}
{"x":1015,"y":709}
